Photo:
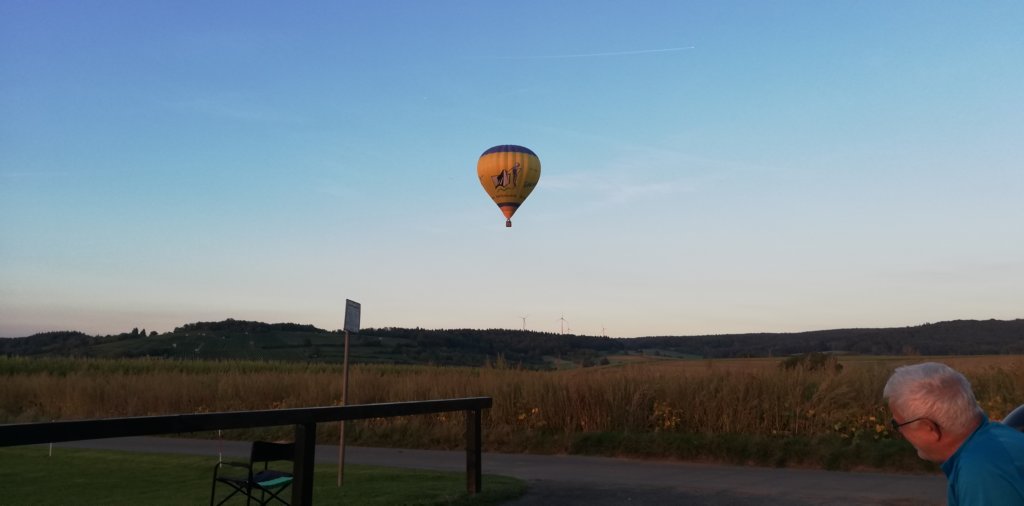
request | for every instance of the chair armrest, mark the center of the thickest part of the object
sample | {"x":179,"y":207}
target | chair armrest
{"x":235,"y":464}
{"x":243,"y":465}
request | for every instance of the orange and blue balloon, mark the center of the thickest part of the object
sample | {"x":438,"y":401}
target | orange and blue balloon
{"x":508,"y":174}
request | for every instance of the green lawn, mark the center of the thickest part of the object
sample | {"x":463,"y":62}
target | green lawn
{"x":29,"y":477}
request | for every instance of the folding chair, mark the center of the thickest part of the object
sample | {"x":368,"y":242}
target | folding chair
{"x":248,"y":479}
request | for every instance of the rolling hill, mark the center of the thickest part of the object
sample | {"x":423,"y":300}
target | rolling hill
{"x":235,"y":339}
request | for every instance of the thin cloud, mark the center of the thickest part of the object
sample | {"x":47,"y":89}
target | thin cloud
{"x":29,"y":174}
{"x":234,"y":107}
{"x":609,"y":188}
{"x":597,"y":55}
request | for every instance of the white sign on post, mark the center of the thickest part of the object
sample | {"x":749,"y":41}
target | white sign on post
{"x":351,"y":325}
{"x":351,"y":316}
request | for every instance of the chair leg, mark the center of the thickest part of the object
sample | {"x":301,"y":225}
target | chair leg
{"x":267,"y":496}
{"x":275,"y":495}
{"x":236,"y":490}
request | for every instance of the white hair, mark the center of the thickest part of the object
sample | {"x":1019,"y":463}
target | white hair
{"x":934,"y":391}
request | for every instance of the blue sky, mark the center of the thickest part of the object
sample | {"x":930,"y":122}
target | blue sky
{"x":708,"y":167}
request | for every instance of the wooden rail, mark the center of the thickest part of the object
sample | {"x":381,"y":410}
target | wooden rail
{"x":304,"y":420}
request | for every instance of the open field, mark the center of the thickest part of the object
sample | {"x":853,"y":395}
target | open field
{"x":733,"y":410}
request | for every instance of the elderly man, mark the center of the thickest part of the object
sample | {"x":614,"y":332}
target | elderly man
{"x":934,"y":408}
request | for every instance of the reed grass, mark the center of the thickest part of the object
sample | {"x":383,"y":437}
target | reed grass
{"x":751,"y":406}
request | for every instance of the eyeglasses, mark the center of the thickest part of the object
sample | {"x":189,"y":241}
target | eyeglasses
{"x":896,"y":426}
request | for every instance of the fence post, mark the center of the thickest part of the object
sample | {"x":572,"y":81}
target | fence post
{"x":305,"y":452}
{"x":474,"y":481}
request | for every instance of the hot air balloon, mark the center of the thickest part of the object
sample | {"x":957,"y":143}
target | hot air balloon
{"x":508,"y":174}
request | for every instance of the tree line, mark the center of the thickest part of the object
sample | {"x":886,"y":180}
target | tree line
{"x":477,"y":346}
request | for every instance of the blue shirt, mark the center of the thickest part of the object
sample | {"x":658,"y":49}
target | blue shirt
{"x":988,"y":468}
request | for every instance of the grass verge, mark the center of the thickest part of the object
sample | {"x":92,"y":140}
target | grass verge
{"x":87,"y":477}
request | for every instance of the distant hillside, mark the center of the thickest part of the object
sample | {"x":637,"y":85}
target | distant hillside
{"x":234,"y":339}
{"x":960,"y":337}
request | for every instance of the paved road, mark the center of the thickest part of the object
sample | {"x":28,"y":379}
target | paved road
{"x":600,"y":481}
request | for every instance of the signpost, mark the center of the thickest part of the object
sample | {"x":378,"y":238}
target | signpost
{"x":352,"y":309}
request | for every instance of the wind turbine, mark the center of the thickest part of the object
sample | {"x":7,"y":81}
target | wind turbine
{"x":562,"y":319}
{"x":524,"y":321}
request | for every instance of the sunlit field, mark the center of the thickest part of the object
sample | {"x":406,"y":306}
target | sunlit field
{"x":739,"y":410}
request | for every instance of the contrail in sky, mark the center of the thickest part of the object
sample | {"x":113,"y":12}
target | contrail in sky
{"x":612,"y":53}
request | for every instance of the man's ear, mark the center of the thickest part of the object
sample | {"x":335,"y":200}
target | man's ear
{"x":935,"y":429}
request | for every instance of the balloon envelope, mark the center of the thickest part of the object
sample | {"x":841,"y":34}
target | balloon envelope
{"x":508,"y":174}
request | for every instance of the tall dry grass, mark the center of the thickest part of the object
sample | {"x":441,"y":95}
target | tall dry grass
{"x":532,"y":410}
